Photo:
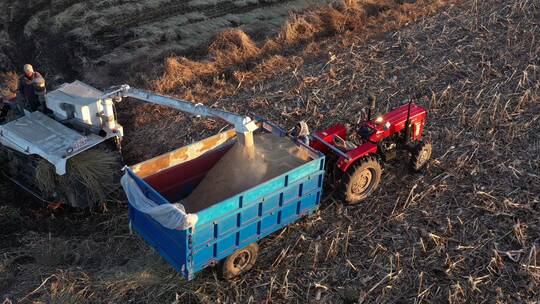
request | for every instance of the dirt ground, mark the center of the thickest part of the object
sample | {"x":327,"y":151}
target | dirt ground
{"x":102,"y":41}
{"x":467,"y":230}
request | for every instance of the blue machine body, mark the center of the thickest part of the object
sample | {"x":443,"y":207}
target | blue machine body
{"x":228,"y":225}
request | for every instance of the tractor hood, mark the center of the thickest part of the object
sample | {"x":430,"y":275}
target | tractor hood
{"x":36,"y":133}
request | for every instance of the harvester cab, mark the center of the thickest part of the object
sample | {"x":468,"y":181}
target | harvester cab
{"x":359,"y":163}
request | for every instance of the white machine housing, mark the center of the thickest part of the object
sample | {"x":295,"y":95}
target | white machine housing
{"x":86,"y":104}
{"x":76,"y":102}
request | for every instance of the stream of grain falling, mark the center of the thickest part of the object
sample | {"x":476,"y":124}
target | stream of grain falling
{"x":241,"y":169}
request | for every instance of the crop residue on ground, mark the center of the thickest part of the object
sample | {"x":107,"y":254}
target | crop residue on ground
{"x":466,"y":231}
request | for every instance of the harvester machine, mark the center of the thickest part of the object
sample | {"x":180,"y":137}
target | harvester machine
{"x":70,"y":151}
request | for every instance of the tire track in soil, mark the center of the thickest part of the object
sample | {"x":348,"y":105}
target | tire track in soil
{"x":211,"y":11}
{"x":113,"y":36}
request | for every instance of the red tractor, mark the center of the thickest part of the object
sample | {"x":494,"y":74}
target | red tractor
{"x":359,"y":163}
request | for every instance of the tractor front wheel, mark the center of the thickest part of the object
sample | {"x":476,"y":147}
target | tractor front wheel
{"x":361,"y":180}
{"x":240,"y":261}
{"x":420,"y":155}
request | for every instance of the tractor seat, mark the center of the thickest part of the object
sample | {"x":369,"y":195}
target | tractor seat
{"x":343,"y":145}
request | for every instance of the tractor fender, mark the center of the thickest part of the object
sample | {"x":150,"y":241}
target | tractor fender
{"x":328,"y":136}
{"x":356,"y":154}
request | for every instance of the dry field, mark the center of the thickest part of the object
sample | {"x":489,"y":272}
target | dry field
{"x":104,"y":40}
{"x":465,"y":231}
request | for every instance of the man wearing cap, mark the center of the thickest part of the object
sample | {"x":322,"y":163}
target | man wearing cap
{"x":31,"y":86}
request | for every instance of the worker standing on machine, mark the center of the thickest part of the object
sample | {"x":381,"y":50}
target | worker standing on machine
{"x":31,"y":90}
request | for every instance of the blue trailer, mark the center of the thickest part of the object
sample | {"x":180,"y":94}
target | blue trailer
{"x":225,"y":232}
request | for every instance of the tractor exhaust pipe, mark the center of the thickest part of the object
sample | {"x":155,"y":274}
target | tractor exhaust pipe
{"x":408,"y":123}
{"x":371,"y":108}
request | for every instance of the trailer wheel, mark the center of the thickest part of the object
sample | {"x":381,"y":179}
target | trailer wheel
{"x":420,"y":155}
{"x":361,"y":180}
{"x":241,"y":261}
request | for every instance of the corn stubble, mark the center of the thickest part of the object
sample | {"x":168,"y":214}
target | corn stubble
{"x":465,"y":231}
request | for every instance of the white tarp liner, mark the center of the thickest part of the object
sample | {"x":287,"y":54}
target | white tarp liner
{"x":171,"y":216}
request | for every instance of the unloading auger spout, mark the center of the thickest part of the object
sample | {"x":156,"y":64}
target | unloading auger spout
{"x":243,"y":125}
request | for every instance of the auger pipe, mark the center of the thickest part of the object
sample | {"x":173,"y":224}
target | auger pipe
{"x":243,"y":125}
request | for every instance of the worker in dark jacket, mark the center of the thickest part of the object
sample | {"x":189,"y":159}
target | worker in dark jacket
{"x":31,"y":89}
{"x":301,"y":132}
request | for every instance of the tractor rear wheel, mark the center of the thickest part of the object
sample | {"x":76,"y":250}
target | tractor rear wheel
{"x":361,"y":180}
{"x":420,"y":155}
{"x":241,"y":261}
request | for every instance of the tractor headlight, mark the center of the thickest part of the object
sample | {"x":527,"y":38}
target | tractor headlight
{"x":379,"y":119}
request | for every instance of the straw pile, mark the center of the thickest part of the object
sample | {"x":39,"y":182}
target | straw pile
{"x":91,"y":176}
